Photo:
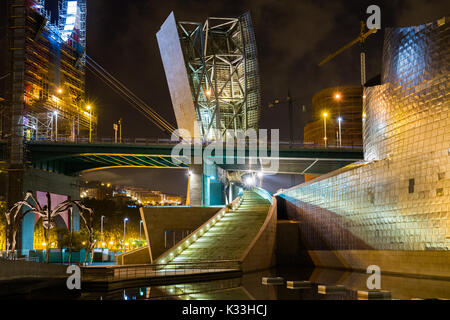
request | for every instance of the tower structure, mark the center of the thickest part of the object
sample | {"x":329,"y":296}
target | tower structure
{"x":45,"y":93}
{"x":212,"y":73}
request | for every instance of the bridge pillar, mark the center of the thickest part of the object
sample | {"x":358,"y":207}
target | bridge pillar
{"x":196,"y":185}
{"x":205,"y":188}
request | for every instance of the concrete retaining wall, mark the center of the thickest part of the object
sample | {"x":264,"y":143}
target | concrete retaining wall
{"x":260,"y":254}
{"x":157,"y":220}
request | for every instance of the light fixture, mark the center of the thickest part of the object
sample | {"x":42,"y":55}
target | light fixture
{"x":339,"y":119}
{"x":250,"y":181}
{"x":325,"y":114}
{"x":260,"y":174}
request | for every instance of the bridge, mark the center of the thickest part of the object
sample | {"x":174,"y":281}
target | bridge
{"x":72,"y":158}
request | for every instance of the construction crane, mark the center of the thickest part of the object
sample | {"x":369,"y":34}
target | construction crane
{"x":361,"y":38}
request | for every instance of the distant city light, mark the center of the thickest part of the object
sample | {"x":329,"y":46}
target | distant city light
{"x":337,"y":96}
{"x":208,"y":92}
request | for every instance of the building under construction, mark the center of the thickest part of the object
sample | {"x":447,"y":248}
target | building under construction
{"x":44,"y":82}
{"x":212,"y":74}
{"x":333,"y":106}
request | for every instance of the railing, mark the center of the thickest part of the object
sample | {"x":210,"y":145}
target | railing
{"x":186,"y":242}
{"x":263,"y":193}
{"x":135,"y":272}
{"x":151,"y":141}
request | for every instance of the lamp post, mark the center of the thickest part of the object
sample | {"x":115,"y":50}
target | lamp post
{"x":101,"y":229}
{"x":325,"y":128}
{"x":124,"y":229}
{"x":120,"y":130}
{"x":55,"y":113}
{"x":340,"y":136}
{"x":338,"y":97}
{"x":90,"y":122}
{"x":140,"y":225}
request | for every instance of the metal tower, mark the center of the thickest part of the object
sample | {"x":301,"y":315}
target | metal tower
{"x":212,"y":73}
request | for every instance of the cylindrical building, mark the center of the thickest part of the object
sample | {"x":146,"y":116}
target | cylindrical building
{"x":405,"y":116}
{"x":342,"y":103}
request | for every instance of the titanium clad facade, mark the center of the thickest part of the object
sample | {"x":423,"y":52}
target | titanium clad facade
{"x":399,"y":198}
{"x":176,"y":74}
{"x":220,"y":60}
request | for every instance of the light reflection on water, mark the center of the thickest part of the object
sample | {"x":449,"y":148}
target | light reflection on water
{"x":249,"y":287}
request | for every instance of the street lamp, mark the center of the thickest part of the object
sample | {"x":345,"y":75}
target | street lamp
{"x":325,"y":127}
{"x":250,"y":181}
{"x":90,"y":122}
{"x":101,"y":228}
{"x":340,"y":136}
{"x":120,"y":130}
{"x":55,"y":113}
{"x":338,"y":97}
{"x":124,"y":228}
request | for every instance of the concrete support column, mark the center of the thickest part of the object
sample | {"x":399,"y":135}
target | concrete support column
{"x":196,"y":185}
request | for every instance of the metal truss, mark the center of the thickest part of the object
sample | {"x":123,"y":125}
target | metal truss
{"x":220,"y":57}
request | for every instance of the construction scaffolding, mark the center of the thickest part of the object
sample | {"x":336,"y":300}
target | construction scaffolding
{"x":212,"y":72}
{"x":47,"y":73}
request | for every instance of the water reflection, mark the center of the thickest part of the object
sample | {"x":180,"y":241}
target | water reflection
{"x":249,"y":287}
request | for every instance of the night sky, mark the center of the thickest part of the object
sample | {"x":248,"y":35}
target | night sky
{"x":292,"y":36}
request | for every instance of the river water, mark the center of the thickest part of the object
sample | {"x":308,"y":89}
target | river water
{"x":249,"y":287}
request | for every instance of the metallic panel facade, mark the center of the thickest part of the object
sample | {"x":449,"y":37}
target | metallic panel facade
{"x":176,"y":74}
{"x":399,"y":199}
{"x":217,"y":61}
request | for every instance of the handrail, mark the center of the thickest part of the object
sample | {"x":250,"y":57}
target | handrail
{"x":146,"y":141}
{"x":186,"y":242}
{"x":263,"y":193}
{"x":134,"y":272}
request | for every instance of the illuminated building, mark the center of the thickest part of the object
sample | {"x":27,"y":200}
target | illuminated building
{"x":97,"y":190}
{"x":344,"y":103}
{"x":212,"y":74}
{"x":45,"y":90}
{"x":393,"y":209}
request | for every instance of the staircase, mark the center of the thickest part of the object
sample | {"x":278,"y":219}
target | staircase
{"x":226,"y":236}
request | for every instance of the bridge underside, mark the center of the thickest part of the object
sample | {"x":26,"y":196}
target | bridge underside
{"x":89,"y":162}
{"x":72,"y":158}
{"x":293,"y":166}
